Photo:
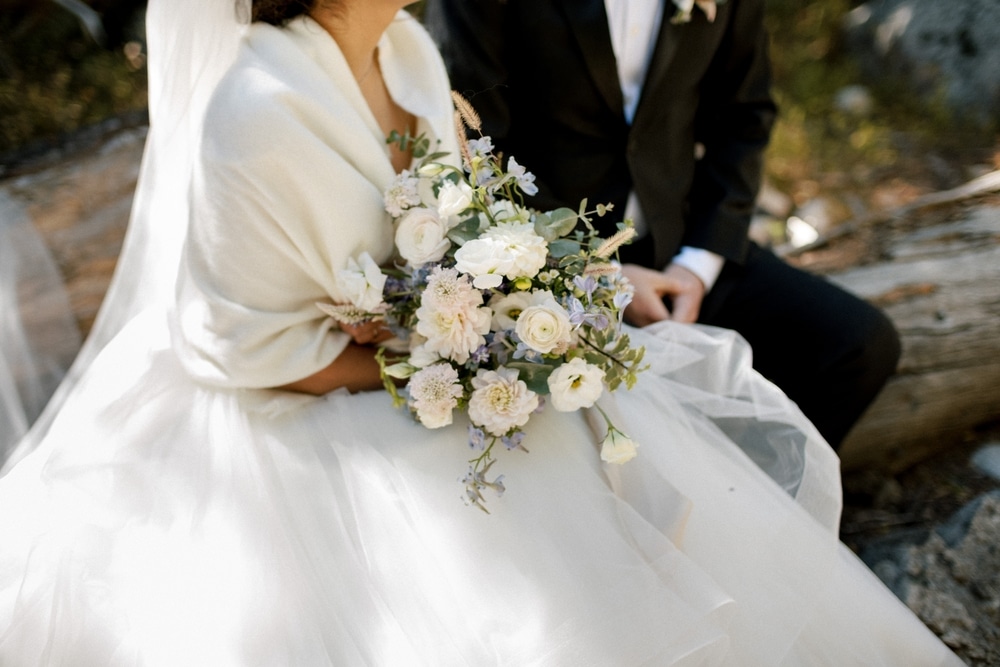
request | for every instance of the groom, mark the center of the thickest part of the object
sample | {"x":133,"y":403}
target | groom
{"x":666,"y":114}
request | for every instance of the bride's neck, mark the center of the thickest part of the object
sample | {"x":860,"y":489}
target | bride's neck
{"x":357,"y":28}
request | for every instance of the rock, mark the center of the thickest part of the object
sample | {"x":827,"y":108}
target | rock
{"x":944,"y":50}
{"x":854,"y":100}
{"x":951,"y":579}
{"x":773,"y":202}
{"x":987,"y":460}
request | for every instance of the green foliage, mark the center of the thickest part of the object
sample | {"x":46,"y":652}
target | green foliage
{"x":53,"y":79}
{"x":811,"y":65}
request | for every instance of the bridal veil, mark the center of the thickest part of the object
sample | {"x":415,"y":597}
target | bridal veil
{"x":191,"y":43}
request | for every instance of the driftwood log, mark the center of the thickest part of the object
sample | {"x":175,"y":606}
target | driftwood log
{"x":940,"y":284}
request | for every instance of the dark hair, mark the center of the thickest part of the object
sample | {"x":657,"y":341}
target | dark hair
{"x":279,"y":12}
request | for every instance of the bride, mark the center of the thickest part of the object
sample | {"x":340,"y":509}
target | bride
{"x":221,"y":487}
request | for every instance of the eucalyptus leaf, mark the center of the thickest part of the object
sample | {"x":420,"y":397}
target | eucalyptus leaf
{"x":555,"y":224}
{"x":536,"y":376}
{"x":465,"y":231}
{"x":436,"y":157}
{"x":563,"y":248}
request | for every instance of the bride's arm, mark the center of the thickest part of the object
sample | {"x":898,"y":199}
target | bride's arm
{"x":354,"y":369}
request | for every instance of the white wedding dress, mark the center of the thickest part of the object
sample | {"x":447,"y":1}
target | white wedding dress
{"x":177,"y":513}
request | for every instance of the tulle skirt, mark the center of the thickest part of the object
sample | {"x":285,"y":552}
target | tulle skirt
{"x":166,"y":523}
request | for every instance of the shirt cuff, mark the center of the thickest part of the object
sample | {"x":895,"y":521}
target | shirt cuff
{"x":703,"y":263}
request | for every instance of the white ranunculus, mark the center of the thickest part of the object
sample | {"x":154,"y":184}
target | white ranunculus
{"x":361,"y":282}
{"x":506,"y":309}
{"x":544,"y":326}
{"x":454,"y":198}
{"x":421,"y":236}
{"x":617,"y":447}
{"x":574,"y":385}
{"x":500,"y":401}
{"x":434,"y":392}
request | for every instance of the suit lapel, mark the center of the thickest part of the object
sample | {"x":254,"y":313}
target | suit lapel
{"x":663,"y":55}
{"x":589,"y":23}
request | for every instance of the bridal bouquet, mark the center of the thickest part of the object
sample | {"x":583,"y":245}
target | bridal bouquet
{"x":502,"y":309}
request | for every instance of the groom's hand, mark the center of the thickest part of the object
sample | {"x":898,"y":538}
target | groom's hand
{"x":680,"y":286}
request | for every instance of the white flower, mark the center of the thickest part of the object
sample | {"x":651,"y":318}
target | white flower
{"x":451,"y":316}
{"x":434,"y":393}
{"x":421,"y":236}
{"x":525,"y":179}
{"x":454,"y":198}
{"x":500,"y":401}
{"x":453,"y":336}
{"x":617,"y":447}
{"x":401,"y":194}
{"x":481,"y":147}
{"x":508,"y":249}
{"x":420,"y":356}
{"x":450,"y":292}
{"x":484,"y":260}
{"x":575,"y":384}
{"x":506,"y":309}
{"x":544,"y":326}
{"x":504,"y":210}
{"x":361,"y":283}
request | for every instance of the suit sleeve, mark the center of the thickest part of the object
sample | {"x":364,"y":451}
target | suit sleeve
{"x":734,"y":121}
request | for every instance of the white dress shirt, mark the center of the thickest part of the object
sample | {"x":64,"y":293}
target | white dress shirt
{"x":634,"y":25}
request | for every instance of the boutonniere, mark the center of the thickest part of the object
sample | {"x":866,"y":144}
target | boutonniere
{"x":685,"y":7}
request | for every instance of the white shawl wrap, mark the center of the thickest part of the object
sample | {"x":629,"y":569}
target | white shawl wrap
{"x":288,"y":187}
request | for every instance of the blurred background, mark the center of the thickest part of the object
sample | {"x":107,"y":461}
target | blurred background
{"x":883,"y":174}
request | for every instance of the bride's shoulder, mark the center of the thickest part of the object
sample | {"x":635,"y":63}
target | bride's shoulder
{"x":246,"y":105}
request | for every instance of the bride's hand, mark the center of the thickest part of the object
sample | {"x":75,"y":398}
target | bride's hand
{"x":370,"y":332}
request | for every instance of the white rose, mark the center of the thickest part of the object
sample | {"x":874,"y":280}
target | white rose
{"x":485,"y":260}
{"x":499,"y":401}
{"x":574,"y":385}
{"x":509,"y":249}
{"x":507,"y":307}
{"x":361,"y":283}
{"x":420,"y":236}
{"x":528,"y":250}
{"x":617,"y":447}
{"x":454,"y":198}
{"x":544,"y":326}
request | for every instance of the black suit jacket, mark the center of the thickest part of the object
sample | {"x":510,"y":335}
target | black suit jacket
{"x":542,"y":73}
